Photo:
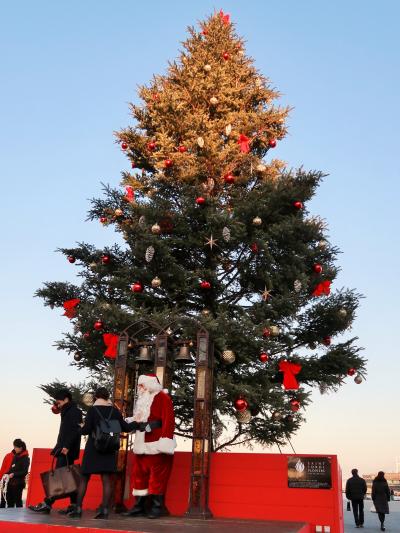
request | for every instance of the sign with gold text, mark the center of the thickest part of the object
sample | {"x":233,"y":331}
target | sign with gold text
{"x":309,"y":472}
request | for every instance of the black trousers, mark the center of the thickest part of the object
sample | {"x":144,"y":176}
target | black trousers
{"x":381,"y":517}
{"x":358,"y":511}
{"x":14,"y":496}
{"x":62,"y":461}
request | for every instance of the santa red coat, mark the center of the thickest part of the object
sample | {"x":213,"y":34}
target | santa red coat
{"x":159,"y":440}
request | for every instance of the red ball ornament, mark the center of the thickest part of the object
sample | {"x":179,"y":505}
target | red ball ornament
{"x":55,"y":410}
{"x":200,"y":200}
{"x":229,"y":178}
{"x":103,"y":220}
{"x":298,"y":205}
{"x":137,"y":287}
{"x":317,"y":268}
{"x":240,"y":404}
{"x":168,"y":163}
{"x":205,"y":285}
{"x":263,"y":357}
{"x":272,"y":143}
{"x":86,"y":335}
{"x":254,"y":248}
{"x":327,"y":340}
{"x":182,"y":149}
{"x":226,"y":56}
{"x":351,"y":371}
{"x":151,"y":146}
{"x":294,"y":405}
{"x":124,"y":145}
{"x":71,"y":259}
{"x":266,"y":332}
{"x":98,"y":325}
{"x":106,"y":259}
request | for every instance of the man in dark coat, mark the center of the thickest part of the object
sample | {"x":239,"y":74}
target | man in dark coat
{"x":67,"y":447}
{"x":356,"y":489}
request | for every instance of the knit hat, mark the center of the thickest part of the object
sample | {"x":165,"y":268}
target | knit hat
{"x":150,"y":382}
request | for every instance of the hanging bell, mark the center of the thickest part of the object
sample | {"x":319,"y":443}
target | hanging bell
{"x":183,"y":355}
{"x":145,"y":355}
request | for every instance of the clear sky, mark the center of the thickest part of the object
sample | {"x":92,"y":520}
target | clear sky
{"x":68,"y":70}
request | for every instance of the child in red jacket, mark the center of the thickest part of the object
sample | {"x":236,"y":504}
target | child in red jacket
{"x":13,"y":472}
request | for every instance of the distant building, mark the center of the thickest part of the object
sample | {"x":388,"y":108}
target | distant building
{"x":393,"y":480}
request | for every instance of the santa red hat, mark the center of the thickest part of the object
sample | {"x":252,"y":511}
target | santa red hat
{"x":150,"y":382}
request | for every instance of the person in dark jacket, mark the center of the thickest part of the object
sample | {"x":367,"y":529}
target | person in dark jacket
{"x":356,"y":489}
{"x":381,"y":497}
{"x":13,"y":473}
{"x":95,"y":461}
{"x":67,"y":448}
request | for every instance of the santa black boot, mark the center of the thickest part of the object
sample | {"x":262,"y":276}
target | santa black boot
{"x":139,"y":509}
{"x":157,"y":508}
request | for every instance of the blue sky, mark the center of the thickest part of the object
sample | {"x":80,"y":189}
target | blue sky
{"x":68,"y":70}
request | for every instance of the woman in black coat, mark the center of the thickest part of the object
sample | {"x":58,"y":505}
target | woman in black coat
{"x":381,"y":496}
{"x":95,"y":461}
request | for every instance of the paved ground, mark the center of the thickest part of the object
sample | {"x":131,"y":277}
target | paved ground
{"x":392,"y":521}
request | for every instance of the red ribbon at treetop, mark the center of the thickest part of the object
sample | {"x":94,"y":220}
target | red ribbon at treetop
{"x":225,"y":17}
{"x":289,"y":371}
{"x":130,"y":194}
{"x":111,"y":341}
{"x":70,"y":307}
{"x":244,"y":143}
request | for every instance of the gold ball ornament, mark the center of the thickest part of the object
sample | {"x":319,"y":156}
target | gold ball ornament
{"x":342,"y":312}
{"x":207,"y":68}
{"x":228,"y":356}
{"x":206,"y":312}
{"x":358,"y":379}
{"x":276,"y":416}
{"x":322,"y":244}
{"x":118,"y":212}
{"x":243,"y":417}
{"x":274,"y":330}
{"x":213,"y":100}
{"x":93,"y":266}
{"x":87,"y":399}
{"x":156,"y":229}
{"x":257,"y":221}
{"x":261,"y":168}
{"x":155,"y":282}
{"x":200,"y":142}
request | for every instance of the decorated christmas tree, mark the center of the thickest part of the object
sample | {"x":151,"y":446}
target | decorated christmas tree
{"x":216,"y":232}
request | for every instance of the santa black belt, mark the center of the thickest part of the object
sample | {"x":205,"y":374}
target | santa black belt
{"x":149,"y":426}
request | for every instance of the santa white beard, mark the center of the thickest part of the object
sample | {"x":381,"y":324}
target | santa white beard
{"x":141,"y":411}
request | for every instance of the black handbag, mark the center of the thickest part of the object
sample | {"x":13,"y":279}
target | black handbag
{"x":61,"y":482}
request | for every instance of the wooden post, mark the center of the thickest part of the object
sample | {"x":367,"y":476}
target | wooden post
{"x":124,"y":377}
{"x":202,"y":425}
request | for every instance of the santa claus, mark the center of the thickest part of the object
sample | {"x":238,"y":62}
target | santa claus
{"x":153,"y":447}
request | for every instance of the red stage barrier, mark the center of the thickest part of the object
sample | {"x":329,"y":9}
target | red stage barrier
{"x":247,"y":486}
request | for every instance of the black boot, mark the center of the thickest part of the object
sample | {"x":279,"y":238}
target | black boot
{"x":139,"y":509}
{"x":76,"y":512}
{"x":102,"y":514}
{"x":68,"y":509}
{"x":157,"y":506}
{"x":42,"y":508}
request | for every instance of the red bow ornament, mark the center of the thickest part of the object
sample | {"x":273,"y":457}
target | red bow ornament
{"x":130,"y":194}
{"x":289,"y":372}
{"x":111,"y":341}
{"x":244,"y":143}
{"x":70,"y":307}
{"x":323,"y":288}
{"x":225,"y":17}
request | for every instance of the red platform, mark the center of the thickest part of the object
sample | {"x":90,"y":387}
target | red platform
{"x":24,"y":521}
{"x":242,"y":486}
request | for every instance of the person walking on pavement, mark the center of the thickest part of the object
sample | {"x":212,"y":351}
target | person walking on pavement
{"x":356,"y":489}
{"x":67,"y":447}
{"x":381,"y":497}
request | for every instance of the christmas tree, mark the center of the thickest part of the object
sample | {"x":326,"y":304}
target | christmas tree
{"x":216,"y":232}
